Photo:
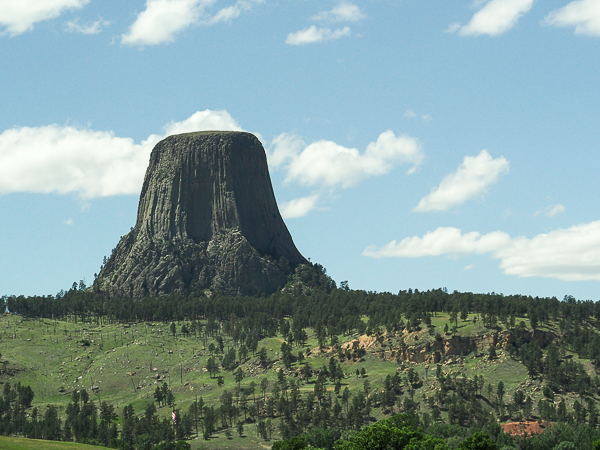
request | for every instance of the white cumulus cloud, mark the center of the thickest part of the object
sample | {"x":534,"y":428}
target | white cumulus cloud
{"x":284,"y":149}
{"x":327,"y":164}
{"x":299,"y":207}
{"x":442,"y":241}
{"x":584,"y":15}
{"x":204,"y":120}
{"x":73,"y":26}
{"x":494,"y":18}
{"x":18,"y":16}
{"x":160,"y":22}
{"x":344,"y":12}
{"x":313,"y":35}
{"x":565,"y":254}
{"x":471,"y":179}
{"x":72,"y":160}
{"x":162,"y":19}
{"x":58,"y":159}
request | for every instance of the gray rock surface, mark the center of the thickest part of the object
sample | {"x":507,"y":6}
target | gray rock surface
{"x":207,"y":219}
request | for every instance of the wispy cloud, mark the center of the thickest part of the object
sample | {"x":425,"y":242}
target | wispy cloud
{"x":327,"y":164}
{"x":410,"y":114}
{"x":312,"y":35}
{"x":565,"y":254}
{"x":453,"y":27}
{"x":551,"y":210}
{"x":584,"y":15}
{"x":471,"y":179}
{"x":556,"y":209}
{"x":229,"y":13}
{"x":68,"y":222}
{"x":507,"y":213}
{"x":344,"y":12}
{"x":19,"y":16}
{"x":88,"y":163}
{"x":494,"y":18}
{"x":73,"y":26}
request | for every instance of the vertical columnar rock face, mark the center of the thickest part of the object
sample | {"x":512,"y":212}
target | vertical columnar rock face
{"x":207,"y":219}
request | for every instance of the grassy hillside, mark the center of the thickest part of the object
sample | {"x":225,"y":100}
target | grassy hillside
{"x":124,"y":363}
{"x":127,"y":362}
{"x":12,"y":443}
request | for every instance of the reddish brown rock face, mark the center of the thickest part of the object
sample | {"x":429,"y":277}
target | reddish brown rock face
{"x":207,"y":219}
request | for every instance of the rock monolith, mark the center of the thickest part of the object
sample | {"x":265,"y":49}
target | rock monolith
{"x":207,"y":219}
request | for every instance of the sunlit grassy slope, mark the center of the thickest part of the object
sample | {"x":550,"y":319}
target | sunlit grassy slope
{"x":11,"y":443}
{"x":125,"y":363}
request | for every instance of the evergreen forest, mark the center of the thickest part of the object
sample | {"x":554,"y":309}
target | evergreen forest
{"x":314,"y":365}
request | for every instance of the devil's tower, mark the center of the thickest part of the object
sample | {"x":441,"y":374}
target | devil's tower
{"x":207,"y":219}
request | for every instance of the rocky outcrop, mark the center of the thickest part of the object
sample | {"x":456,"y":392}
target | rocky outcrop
{"x":434,"y":350}
{"x":207,"y":219}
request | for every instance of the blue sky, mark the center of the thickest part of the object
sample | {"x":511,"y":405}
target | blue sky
{"x":411,"y":143}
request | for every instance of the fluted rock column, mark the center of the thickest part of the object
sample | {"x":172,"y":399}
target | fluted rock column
{"x":207,"y":218}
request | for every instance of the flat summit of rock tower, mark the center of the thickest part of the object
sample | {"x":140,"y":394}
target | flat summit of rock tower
{"x":207,"y":219}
